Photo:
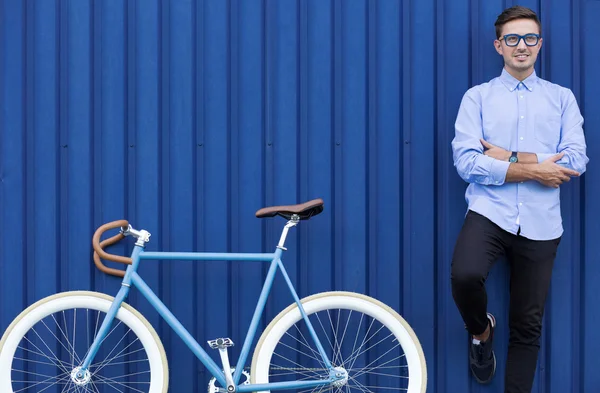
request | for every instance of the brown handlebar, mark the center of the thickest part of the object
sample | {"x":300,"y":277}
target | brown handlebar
{"x":99,"y":248}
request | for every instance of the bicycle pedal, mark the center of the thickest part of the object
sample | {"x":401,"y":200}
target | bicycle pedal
{"x":220,"y":343}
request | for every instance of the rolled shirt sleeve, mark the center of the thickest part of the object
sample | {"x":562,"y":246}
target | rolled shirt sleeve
{"x":471,"y":164}
{"x":572,"y":141}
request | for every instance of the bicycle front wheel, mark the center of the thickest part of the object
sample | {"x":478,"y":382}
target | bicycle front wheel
{"x":365,"y":340}
{"x":43,"y":347}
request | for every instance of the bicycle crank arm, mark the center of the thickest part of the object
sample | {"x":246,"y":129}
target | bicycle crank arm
{"x":221,"y":344}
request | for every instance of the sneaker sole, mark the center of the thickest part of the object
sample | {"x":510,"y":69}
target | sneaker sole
{"x":485,"y":382}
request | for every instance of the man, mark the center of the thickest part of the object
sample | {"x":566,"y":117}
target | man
{"x":518,"y":139}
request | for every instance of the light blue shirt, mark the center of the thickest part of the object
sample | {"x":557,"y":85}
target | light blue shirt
{"x":532,"y":116}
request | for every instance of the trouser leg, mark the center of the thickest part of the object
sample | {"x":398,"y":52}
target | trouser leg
{"x":479,"y":244}
{"x":531,"y":265}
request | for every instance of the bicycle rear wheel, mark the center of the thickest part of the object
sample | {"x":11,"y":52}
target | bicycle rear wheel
{"x":48,"y":341}
{"x":362,"y":336}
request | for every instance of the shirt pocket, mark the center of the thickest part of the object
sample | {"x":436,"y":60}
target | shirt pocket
{"x":546,"y":129}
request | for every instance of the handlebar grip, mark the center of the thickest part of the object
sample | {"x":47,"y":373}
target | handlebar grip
{"x":99,"y":248}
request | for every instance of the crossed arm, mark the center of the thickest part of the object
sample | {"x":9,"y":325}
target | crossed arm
{"x":548,"y":172}
{"x":478,"y":161}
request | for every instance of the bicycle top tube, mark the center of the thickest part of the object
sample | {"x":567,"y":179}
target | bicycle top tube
{"x":207,"y":256}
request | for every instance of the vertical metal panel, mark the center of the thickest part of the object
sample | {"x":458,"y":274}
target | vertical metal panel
{"x":186,"y":117}
{"x":589,"y":210}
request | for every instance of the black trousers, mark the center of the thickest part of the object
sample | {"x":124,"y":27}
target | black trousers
{"x":479,"y":244}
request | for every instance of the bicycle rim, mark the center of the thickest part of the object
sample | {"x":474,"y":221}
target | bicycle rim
{"x":47,"y":342}
{"x":361,"y":336}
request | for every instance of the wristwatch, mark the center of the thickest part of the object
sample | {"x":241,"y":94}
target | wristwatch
{"x":513,"y":157}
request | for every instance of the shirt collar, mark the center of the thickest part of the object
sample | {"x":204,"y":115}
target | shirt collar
{"x":512,"y":83}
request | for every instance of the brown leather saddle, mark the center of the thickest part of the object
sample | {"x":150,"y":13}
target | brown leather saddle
{"x":304,"y":210}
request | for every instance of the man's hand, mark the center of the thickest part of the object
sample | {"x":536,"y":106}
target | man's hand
{"x":550,"y":174}
{"x":495,"y":151}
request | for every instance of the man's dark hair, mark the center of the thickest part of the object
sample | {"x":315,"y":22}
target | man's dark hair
{"x":516,"y":12}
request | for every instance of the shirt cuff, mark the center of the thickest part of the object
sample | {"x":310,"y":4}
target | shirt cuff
{"x":498,"y":171}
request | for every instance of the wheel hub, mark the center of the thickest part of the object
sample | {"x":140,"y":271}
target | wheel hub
{"x":80,"y":378}
{"x":342,"y":374}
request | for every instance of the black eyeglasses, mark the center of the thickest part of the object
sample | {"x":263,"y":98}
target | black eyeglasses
{"x":514,"y":39}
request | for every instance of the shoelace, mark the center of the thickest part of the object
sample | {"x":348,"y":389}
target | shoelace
{"x":479,"y":353}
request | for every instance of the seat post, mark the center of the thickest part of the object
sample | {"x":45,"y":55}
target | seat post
{"x":291,"y":223}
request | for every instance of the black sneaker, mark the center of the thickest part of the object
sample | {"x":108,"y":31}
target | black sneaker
{"x":482,"y":359}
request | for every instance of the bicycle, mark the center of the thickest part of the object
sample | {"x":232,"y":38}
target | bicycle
{"x":117,"y":339}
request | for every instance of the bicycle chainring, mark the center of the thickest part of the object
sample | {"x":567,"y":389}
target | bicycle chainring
{"x":212,"y":384}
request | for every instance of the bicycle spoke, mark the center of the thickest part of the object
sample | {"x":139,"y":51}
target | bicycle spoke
{"x":357,"y":351}
{"x":116,"y":357}
{"x":66,"y":335}
{"x":367,"y":366}
{"x":382,"y":374}
{"x":127,"y":362}
{"x":43,"y":354}
{"x":353,"y":357}
{"x":105,"y":362}
{"x":296,"y":364}
{"x":70,"y":386}
{"x":397,"y":357}
{"x":66,"y":386}
{"x":97,"y":323}
{"x":337,"y":353}
{"x":292,"y":371}
{"x":87,"y":327}
{"x":105,"y":338}
{"x":111,"y":385}
{"x":305,"y":343}
{"x":47,"y":387}
{"x":74,"y":331}
{"x":65,"y":378}
{"x":299,"y":371}
{"x":356,"y":338}
{"x":344,"y":334}
{"x":303,"y":353}
{"x":362,"y":387}
{"x":125,"y":376}
{"x":111,"y":381}
{"x":317,"y":389}
{"x":388,"y":351}
{"x":325,"y":331}
{"x":95,"y":388}
{"x":69,"y":351}
{"x":34,"y":373}
{"x":37,"y":361}
{"x":383,"y":388}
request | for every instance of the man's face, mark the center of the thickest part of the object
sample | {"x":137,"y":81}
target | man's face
{"x":520,"y":58}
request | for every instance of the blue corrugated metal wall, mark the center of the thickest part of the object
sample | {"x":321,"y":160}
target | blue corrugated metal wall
{"x":186,"y":117}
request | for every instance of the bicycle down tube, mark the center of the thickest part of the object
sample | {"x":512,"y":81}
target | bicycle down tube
{"x":133,"y":278}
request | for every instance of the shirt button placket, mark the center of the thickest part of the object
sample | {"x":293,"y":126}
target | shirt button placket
{"x":520,"y":138}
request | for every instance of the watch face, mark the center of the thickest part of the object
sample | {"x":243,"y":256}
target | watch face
{"x":513,"y":159}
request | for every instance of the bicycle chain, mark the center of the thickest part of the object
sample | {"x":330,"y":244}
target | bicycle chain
{"x":290,"y":369}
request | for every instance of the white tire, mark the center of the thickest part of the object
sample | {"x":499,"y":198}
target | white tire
{"x":263,"y":362}
{"x":64,"y":303}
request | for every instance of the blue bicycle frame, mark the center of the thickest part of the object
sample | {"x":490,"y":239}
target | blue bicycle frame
{"x":132,"y":278}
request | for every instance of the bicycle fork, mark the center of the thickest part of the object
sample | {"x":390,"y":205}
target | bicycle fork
{"x":81,"y":374}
